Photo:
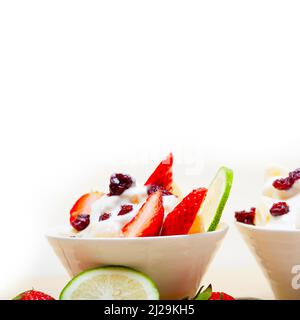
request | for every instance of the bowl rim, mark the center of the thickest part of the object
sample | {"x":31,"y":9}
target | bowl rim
{"x":265,"y":229}
{"x":222,"y":229}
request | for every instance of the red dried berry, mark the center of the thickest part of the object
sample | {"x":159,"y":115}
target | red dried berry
{"x":153,"y":188}
{"x":80,"y":222}
{"x":295,"y":175}
{"x":126,"y":208}
{"x":279,"y":209}
{"x":104,"y":216}
{"x":245,"y":216}
{"x":283,"y":183}
{"x":288,"y":182}
{"x":119,"y":182}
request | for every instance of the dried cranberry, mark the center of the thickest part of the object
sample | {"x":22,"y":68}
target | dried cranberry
{"x":288,"y":182}
{"x":283,"y":183}
{"x":153,"y":188}
{"x":279,"y":209}
{"x":245,"y":217}
{"x":295,"y":175}
{"x":81,"y":222}
{"x":119,"y":182}
{"x":104,"y":216}
{"x":126,"y":208}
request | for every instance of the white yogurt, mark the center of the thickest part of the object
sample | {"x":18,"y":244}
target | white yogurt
{"x":271,"y":195}
{"x":135,"y":196}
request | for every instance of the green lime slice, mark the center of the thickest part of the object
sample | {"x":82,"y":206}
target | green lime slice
{"x":110,"y":283}
{"x":216,"y":198}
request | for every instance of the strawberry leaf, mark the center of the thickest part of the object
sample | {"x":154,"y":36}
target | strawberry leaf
{"x":204,"y":295}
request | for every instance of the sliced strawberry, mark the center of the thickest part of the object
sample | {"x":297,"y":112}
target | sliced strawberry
{"x":84,"y":203}
{"x":149,"y":219}
{"x":180,"y":220}
{"x":80,"y":212}
{"x":163,"y":174}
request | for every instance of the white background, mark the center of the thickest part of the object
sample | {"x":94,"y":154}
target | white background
{"x":92,"y":87}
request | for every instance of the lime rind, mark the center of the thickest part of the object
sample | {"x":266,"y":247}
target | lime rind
{"x":150,"y":286}
{"x":218,"y":192}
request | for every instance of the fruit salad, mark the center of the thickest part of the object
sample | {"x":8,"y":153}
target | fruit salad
{"x":154,"y":208}
{"x":279,"y":205}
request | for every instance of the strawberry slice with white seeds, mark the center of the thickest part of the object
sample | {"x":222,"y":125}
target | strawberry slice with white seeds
{"x":180,"y":220}
{"x":163,"y":174}
{"x":149,"y":219}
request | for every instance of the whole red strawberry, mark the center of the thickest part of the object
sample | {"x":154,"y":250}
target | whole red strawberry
{"x":33,"y":295}
{"x":208,"y":294}
{"x":220,"y":296}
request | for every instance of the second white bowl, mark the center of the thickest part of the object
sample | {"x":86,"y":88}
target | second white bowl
{"x":278,"y":254}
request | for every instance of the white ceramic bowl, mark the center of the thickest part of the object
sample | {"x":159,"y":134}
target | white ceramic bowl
{"x":176,"y":263}
{"x":278,"y":254}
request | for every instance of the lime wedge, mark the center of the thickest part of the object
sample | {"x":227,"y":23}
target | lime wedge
{"x":216,"y":198}
{"x":110,"y":283}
